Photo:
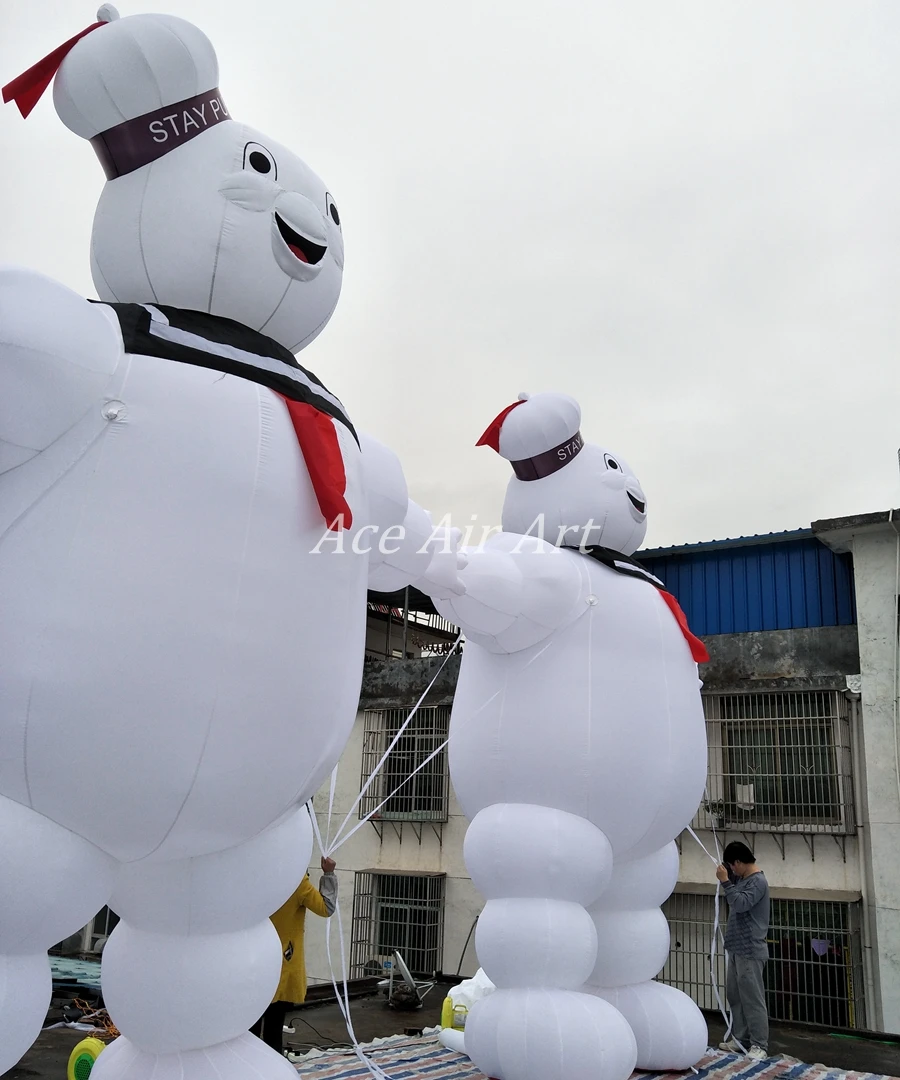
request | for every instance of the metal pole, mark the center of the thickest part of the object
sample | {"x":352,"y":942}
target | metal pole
{"x":405,"y":617}
{"x":390,"y":619}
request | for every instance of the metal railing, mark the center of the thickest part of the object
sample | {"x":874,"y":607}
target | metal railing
{"x":815,"y":969}
{"x":397,"y":912}
{"x":421,"y":619}
{"x":778,"y":762}
{"x":424,"y":796}
{"x":422,"y":634}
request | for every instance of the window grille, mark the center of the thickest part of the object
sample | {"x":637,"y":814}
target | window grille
{"x":103,"y":924}
{"x":395,"y":911}
{"x":99,"y":928}
{"x":422,"y":797}
{"x":778,"y":762}
{"x":815,"y":969}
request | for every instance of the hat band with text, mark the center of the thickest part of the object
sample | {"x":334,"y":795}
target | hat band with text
{"x":551,"y":461}
{"x":135,"y":143}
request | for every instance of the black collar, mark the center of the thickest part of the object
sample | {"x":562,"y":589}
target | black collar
{"x":211,"y":341}
{"x":622,"y":564}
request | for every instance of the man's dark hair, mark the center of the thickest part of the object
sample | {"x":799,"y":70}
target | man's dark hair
{"x":737,"y":852}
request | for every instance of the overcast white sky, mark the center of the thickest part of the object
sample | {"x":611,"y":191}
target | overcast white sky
{"x":683,"y":213}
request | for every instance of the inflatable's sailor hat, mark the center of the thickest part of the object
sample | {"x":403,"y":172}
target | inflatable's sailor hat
{"x":538,"y":434}
{"x":136,"y":87}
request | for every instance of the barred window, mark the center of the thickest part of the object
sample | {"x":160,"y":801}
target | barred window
{"x":398,"y":912}
{"x":779,"y":762}
{"x":815,"y":969}
{"x":407,"y":795}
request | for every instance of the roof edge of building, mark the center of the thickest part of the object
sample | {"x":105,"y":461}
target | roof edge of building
{"x":738,"y":541}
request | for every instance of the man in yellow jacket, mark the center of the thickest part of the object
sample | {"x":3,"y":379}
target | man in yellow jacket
{"x":289,"y":921}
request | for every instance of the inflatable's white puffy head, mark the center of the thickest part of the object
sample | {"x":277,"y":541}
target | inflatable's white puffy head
{"x":569,"y":491}
{"x":199,"y":211}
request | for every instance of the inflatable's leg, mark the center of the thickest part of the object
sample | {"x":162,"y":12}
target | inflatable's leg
{"x":52,"y":882}
{"x":195,"y":961}
{"x":538,"y":868}
{"x":633,"y":945}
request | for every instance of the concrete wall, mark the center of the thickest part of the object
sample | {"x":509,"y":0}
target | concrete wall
{"x":764,"y":660}
{"x":391,"y":684}
{"x":741,"y":661}
{"x":875,"y":558}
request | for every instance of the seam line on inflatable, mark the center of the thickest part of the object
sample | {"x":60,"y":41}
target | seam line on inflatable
{"x":149,"y":173}
{"x":277,"y":307}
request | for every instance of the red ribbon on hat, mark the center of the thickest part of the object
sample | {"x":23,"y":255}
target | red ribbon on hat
{"x":491,"y":437}
{"x":26,"y":90}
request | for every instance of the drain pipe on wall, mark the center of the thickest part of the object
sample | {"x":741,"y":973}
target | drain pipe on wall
{"x":894,"y":521}
{"x":870,"y":956}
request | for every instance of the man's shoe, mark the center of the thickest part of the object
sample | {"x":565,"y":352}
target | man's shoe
{"x":730,"y":1047}
{"x":756,"y":1053}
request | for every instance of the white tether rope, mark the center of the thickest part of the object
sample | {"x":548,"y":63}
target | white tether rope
{"x":329,"y":846}
{"x":716,"y":935}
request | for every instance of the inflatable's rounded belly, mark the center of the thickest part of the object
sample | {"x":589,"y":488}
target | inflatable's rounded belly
{"x":606,"y":723}
{"x":176,"y":665}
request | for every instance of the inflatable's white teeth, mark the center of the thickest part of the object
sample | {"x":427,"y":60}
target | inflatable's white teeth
{"x":107,"y":13}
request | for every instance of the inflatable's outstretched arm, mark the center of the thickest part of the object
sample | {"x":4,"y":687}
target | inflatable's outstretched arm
{"x":57,"y":353}
{"x":404,"y":547}
{"x":518,"y":591}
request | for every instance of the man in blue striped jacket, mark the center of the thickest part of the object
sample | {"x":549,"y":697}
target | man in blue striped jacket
{"x":747,"y":893}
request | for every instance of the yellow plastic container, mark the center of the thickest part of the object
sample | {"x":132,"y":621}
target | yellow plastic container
{"x":452,"y":1016}
{"x":82,"y":1058}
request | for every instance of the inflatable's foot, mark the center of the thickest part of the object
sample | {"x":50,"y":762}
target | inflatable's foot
{"x":237,"y":1059}
{"x":669,"y":1029}
{"x":549,"y":1035}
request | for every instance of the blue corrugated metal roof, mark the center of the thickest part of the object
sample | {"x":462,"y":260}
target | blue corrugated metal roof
{"x":779,"y":582}
{"x":737,"y":541}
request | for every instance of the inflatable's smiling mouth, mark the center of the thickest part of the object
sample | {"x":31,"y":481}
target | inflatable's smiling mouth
{"x":301,"y":248}
{"x":636,"y":503}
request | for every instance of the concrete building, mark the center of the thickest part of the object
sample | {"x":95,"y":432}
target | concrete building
{"x":801,"y":699}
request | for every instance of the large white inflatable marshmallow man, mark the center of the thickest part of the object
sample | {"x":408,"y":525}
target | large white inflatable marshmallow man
{"x":578,"y":751}
{"x":180,"y":657}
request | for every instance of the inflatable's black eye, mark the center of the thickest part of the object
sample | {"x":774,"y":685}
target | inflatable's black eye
{"x":258,"y":159}
{"x":333,"y":210}
{"x":611,"y":462}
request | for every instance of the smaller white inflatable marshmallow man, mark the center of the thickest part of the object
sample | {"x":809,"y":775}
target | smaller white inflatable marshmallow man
{"x":180,"y":657}
{"x":578,"y":751}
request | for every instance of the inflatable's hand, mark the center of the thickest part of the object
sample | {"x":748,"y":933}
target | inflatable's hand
{"x":442,"y":580}
{"x":518,"y":590}
{"x":57,"y":353}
